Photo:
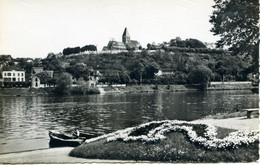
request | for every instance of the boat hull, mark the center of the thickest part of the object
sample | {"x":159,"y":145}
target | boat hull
{"x":58,"y":139}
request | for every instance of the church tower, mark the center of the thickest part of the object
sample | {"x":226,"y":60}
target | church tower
{"x":126,"y":37}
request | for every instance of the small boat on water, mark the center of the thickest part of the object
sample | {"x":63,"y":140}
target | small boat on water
{"x":58,"y":139}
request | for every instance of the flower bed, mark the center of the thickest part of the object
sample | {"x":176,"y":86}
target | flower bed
{"x":202,"y":134}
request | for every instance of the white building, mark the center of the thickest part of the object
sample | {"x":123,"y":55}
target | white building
{"x":93,"y":79}
{"x":41,"y":78}
{"x":13,"y":76}
{"x":162,"y":72}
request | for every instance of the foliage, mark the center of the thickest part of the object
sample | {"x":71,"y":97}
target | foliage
{"x":188,"y":43}
{"x":151,"y":46}
{"x":200,"y":75}
{"x":63,"y":84}
{"x":203,"y":135}
{"x":236,"y":23}
{"x":78,"y":70}
{"x":193,"y":50}
{"x":177,"y":44}
{"x":51,"y":55}
{"x":175,"y":145}
{"x":140,"y":67}
{"x":68,"y":50}
{"x":75,"y":50}
{"x":83,"y":90}
{"x":194,"y":43}
{"x":132,"y":67}
{"x":5,"y":58}
{"x":88,"y":48}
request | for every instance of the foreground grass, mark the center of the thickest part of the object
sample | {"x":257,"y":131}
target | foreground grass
{"x":175,"y":148}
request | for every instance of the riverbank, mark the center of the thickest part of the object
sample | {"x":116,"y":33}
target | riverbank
{"x":126,"y":89}
{"x":245,"y":85}
{"x":61,"y":155}
{"x":25,"y":91}
{"x":150,"y":88}
{"x":172,"y":88}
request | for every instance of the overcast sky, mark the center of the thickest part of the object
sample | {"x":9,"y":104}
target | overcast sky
{"x":34,"y":28}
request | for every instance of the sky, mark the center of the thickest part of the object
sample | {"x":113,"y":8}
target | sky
{"x":34,"y":28}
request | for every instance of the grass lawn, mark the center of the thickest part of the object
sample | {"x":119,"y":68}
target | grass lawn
{"x":177,"y":146}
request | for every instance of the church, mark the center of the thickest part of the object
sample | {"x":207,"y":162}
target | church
{"x":126,"y":43}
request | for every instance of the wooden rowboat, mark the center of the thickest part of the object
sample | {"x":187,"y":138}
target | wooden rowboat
{"x":58,"y":139}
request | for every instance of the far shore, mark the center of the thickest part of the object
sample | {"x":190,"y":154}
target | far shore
{"x":108,"y":90}
{"x":60,"y":155}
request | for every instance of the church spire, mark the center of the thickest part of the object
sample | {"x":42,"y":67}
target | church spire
{"x":126,"y":37}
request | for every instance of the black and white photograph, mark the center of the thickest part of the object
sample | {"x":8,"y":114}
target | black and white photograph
{"x":129,"y":81}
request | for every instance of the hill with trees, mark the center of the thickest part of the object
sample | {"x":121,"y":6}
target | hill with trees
{"x":189,"y":61}
{"x":140,"y":67}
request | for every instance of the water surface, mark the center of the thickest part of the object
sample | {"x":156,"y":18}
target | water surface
{"x":25,"y":121}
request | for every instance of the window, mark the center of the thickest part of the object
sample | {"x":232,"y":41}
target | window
{"x":22,"y":79}
{"x":14,"y":79}
{"x":18,"y":74}
{"x":22,"y":74}
{"x":13,"y":74}
{"x":9,"y":74}
{"x":7,"y":79}
{"x":18,"y":78}
{"x":5,"y":74}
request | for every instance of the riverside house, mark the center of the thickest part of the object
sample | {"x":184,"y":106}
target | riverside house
{"x":93,"y":78}
{"x":164,"y":72}
{"x":13,"y":76}
{"x":13,"y":79}
{"x":41,"y":78}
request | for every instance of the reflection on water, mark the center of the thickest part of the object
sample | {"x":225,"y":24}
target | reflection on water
{"x":25,"y":121}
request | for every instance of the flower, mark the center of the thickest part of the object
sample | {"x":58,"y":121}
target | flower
{"x":209,"y":140}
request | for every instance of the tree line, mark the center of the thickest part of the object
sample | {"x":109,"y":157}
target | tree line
{"x":141,"y":67}
{"x":75,"y":50}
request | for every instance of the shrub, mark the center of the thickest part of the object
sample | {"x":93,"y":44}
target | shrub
{"x":83,"y":90}
{"x":200,"y":75}
{"x":63,"y":84}
{"x":93,"y":91}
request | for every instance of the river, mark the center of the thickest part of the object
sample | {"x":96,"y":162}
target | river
{"x":25,"y":121}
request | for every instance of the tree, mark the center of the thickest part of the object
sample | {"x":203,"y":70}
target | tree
{"x":235,"y":21}
{"x":68,"y":51}
{"x":63,"y":84}
{"x":194,"y":43}
{"x":79,"y":70}
{"x":149,"y":46}
{"x":88,"y":48}
{"x":51,"y":55}
{"x":200,"y":75}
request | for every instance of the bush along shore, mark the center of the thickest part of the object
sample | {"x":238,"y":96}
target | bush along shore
{"x":48,"y":91}
{"x":79,"y":90}
{"x":173,"y":141}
